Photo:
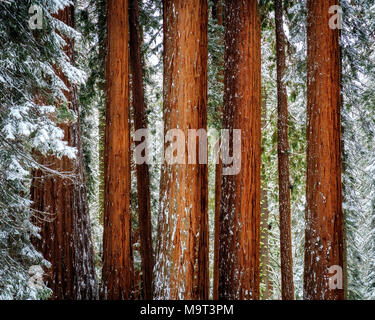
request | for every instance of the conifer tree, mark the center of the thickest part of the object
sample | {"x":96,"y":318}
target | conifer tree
{"x":117,"y":273}
{"x":324,"y":220}
{"x":66,"y":235}
{"x":239,"y":253}
{"x":181,"y":262}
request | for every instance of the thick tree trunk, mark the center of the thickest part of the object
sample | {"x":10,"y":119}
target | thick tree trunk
{"x":143,"y":179}
{"x":324,"y":221}
{"x":287,"y":285}
{"x":182,"y":252}
{"x":240,"y":204}
{"x":66,"y":233}
{"x":117,"y":252}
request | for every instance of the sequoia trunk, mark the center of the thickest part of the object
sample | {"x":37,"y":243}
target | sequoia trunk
{"x":324,"y":221}
{"x":240,"y":204}
{"x":117,"y":253}
{"x":182,"y":252}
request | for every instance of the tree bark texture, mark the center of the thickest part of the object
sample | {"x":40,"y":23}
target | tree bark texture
{"x":324,"y":221}
{"x":182,"y":252}
{"x":117,"y":252}
{"x":240,"y":197}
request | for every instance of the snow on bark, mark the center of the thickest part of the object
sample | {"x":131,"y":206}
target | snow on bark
{"x":324,"y":221}
{"x":66,"y":234}
{"x":181,"y":269}
{"x":239,"y":253}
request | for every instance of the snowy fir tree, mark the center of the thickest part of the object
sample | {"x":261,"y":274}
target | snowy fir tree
{"x":31,"y":98}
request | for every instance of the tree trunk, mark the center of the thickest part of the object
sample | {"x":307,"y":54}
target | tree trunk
{"x":240,"y":204}
{"x":66,"y":233}
{"x":182,"y":253}
{"x":287,"y":286}
{"x":102,"y":43}
{"x":324,"y":221}
{"x":117,"y":252}
{"x":143,"y":179}
{"x":264,"y":226}
{"x":217,"y":14}
{"x":265,"y":250}
{"x":217,"y":11}
{"x":218,"y":179}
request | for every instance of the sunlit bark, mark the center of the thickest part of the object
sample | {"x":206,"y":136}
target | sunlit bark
{"x":117,"y":253}
{"x":240,"y":197}
{"x":182,"y":251}
{"x":324,"y":221}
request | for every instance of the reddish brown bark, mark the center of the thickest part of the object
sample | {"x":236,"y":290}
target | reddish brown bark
{"x":217,"y":11}
{"x":117,"y":252}
{"x":65,"y":232}
{"x":182,"y":251}
{"x":143,"y":179}
{"x":240,"y":205}
{"x":287,"y":285}
{"x":324,"y":221}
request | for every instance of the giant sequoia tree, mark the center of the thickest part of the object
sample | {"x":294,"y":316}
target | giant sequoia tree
{"x":65,"y":232}
{"x":324,"y":221}
{"x":240,"y":197}
{"x":283,"y":160}
{"x":117,"y":252}
{"x":182,"y":249}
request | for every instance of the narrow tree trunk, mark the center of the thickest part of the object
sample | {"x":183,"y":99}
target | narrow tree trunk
{"x":117,"y":253}
{"x":182,"y":252}
{"x":143,"y":179}
{"x":218,"y":179}
{"x":264,"y":252}
{"x":287,"y":285}
{"x":217,"y":13}
{"x":264,"y":226}
{"x":324,"y":221}
{"x":101,"y":7}
{"x":66,"y":233}
{"x":240,"y":205}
